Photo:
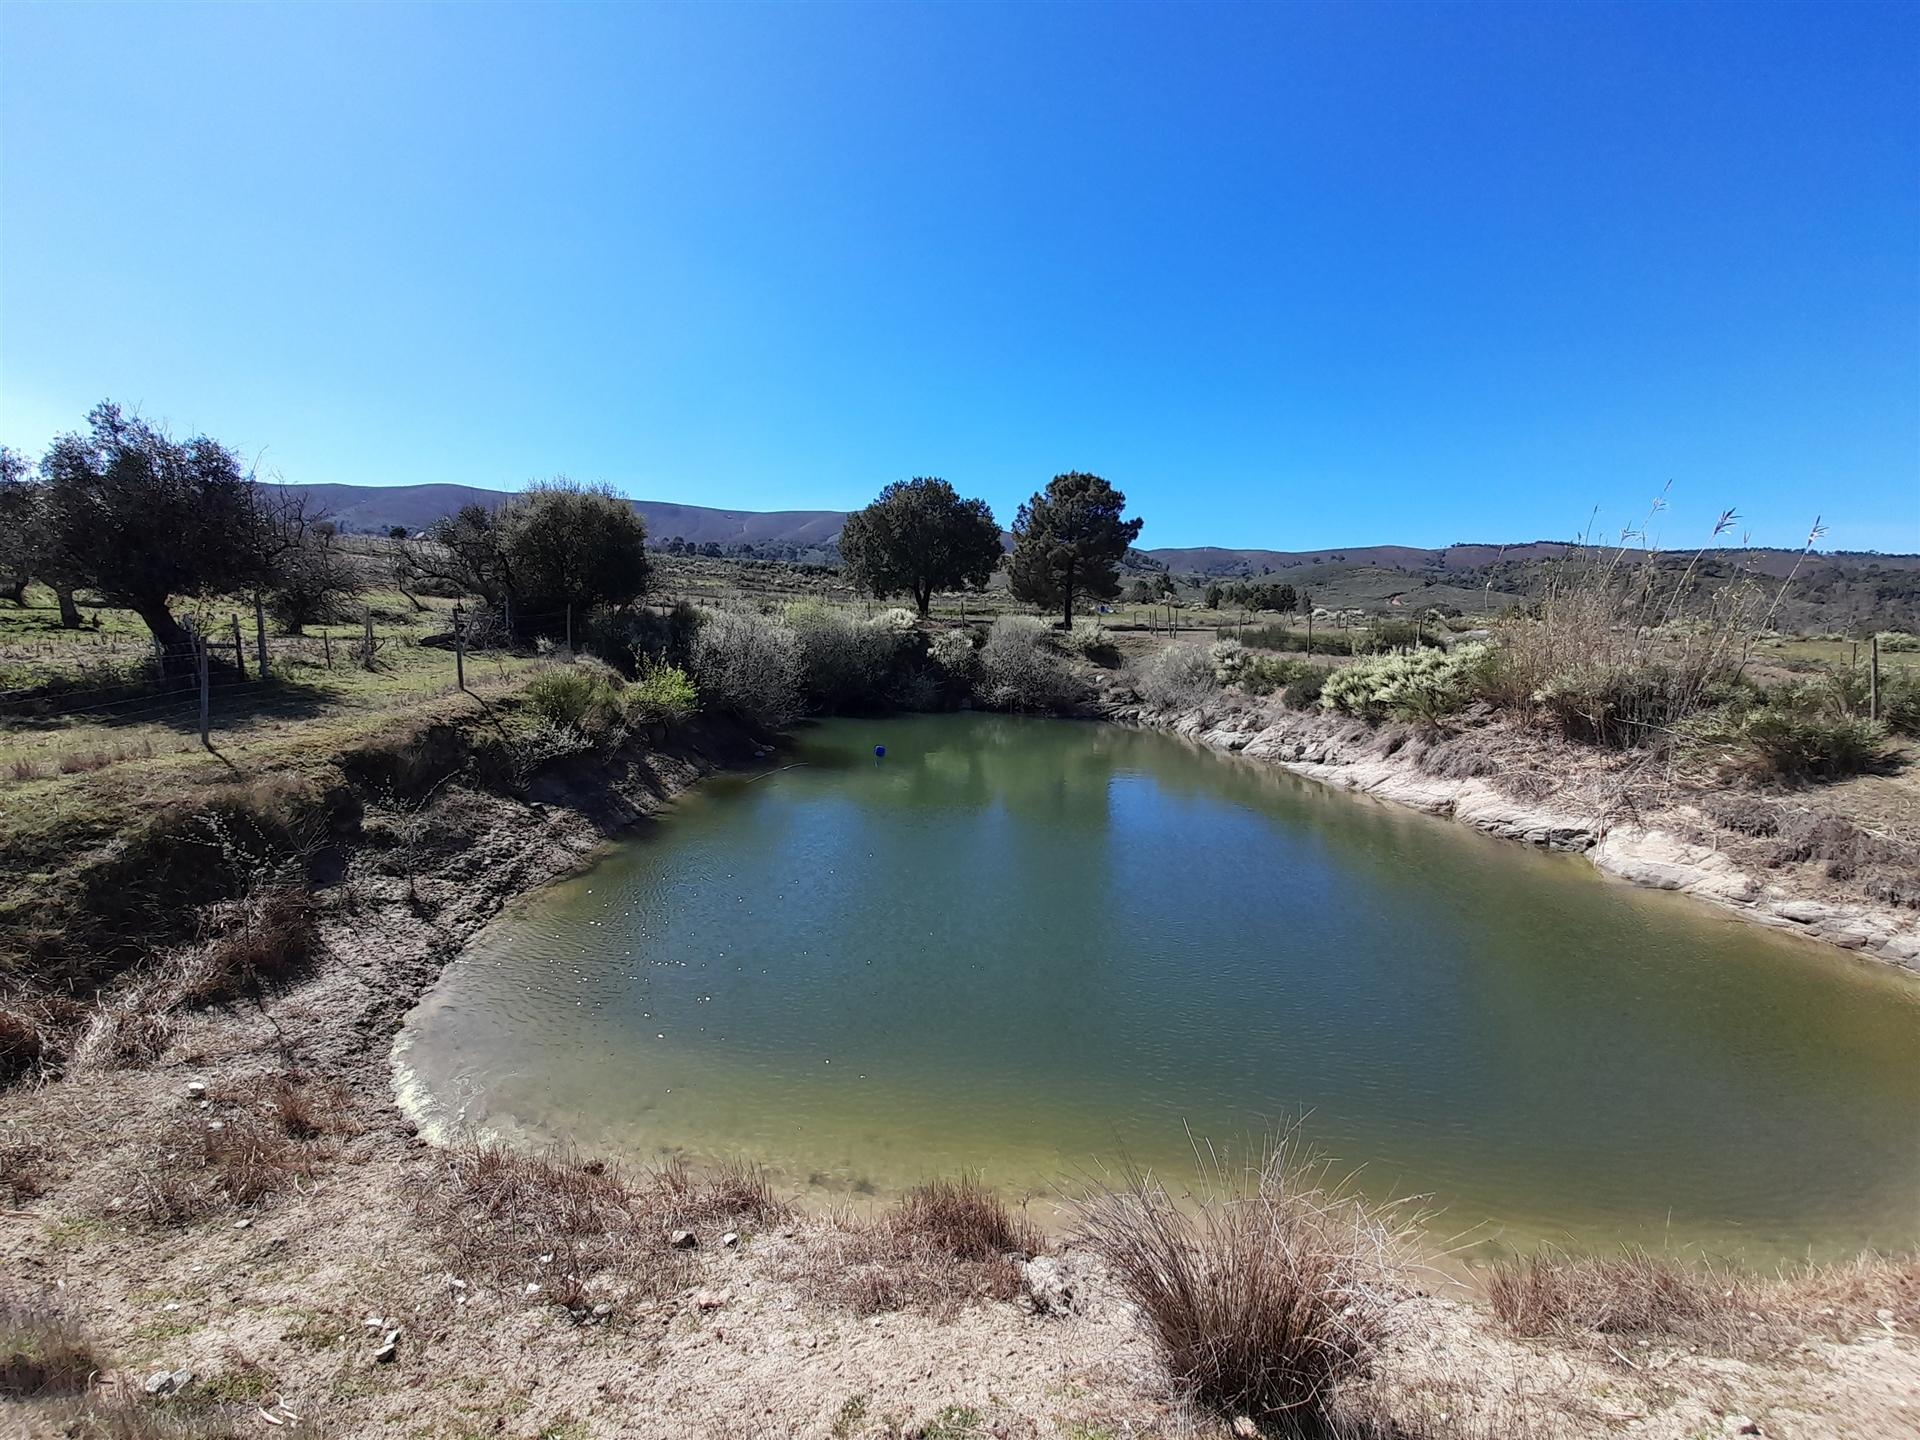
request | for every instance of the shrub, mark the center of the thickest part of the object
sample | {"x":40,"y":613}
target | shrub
{"x":749,"y":665}
{"x":1304,"y":693}
{"x":663,"y":695}
{"x":1089,"y":639}
{"x":1176,"y":678}
{"x":955,"y":655}
{"x":583,"y":696}
{"x":1021,"y":668}
{"x":1897,"y":641}
{"x":1387,"y":636}
{"x":1261,"y":1296}
{"x":1427,"y":685}
{"x":1794,"y":732}
{"x":275,"y":940}
{"x":964,"y":1218}
{"x":1257,"y":674}
{"x":847,"y":663}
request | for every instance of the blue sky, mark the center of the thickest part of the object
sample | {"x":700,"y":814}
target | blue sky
{"x":1291,"y":276}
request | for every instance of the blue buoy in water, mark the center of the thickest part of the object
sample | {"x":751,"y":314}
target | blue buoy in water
{"x":879,"y":752}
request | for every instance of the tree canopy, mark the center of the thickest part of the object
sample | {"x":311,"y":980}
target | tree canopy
{"x":920,"y":536}
{"x":1068,"y":541}
{"x":145,"y":519}
{"x":555,"y":547}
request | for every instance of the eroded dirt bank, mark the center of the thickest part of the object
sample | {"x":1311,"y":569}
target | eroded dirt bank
{"x":275,"y":1273}
{"x":1806,"y":862}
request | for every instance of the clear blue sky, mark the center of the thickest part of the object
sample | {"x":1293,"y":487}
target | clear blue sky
{"x":1293,"y":276}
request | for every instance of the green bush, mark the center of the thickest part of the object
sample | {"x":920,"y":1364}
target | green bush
{"x":848,"y":663}
{"x":1897,"y":641}
{"x":1796,"y":744}
{"x":1257,"y":674}
{"x":663,"y":695}
{"x":582,"y":696}
{"x":1022,"y":668}
{"x":1304,"y":693}
{"x":1387,"y":636}
{"x":748,"y":665}
{"x":1427,"y":685}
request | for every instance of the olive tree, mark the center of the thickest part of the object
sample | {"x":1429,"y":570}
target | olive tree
{"x":1068,"y":542}
{"x":920,"y":536}
{"x":147,"y":520}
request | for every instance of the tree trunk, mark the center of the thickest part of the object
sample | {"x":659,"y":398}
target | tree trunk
{"x":69,"y":612}
{"x":176,"y":658}
{"x":14,"y":588}
{"x":924,"y":597}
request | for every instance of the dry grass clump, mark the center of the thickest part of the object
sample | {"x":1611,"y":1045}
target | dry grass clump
{"x":276,"y":939}
{"x":21,"y":1176}
{"x":1264,"y":1293}
{"x":307,"y":1106}
{"x":561,"y":1230}
{"x":732,"y":1191}
{"x":126,"y":1415}
{"x":1644,"y":1296}
{"x":205,"y":1166}
{"x":22,"y":1041}
{"x":942,"y":1245}
{"x":42,"y":1352}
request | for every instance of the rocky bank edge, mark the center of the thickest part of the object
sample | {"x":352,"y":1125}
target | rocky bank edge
{"x":1600,"y":805}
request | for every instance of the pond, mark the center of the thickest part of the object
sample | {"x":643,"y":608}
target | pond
{"x":1034,"y":947}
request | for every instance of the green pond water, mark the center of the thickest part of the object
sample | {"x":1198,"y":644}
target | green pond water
{"x":1033,"y":947}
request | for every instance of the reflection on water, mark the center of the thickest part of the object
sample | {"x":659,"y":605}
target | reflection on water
{"x":1030,"y":946}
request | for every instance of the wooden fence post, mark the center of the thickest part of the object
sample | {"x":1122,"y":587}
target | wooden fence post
{"x":366,"y":648}
{"x":239,"y":651}
{"x":205,"y":694}
{"x":1873,"y":677}
{"x":260,"y":632}
{"x":459,"y":648}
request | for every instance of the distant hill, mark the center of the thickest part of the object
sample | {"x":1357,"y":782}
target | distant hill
{"x":1834,"y":588}
{"x":378,"y":508}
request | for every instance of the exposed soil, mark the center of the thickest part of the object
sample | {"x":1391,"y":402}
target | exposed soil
{"x":265,"y":1291}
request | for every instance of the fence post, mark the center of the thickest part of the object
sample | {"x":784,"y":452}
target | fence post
{"x":200,"y":646}
{"x":239,"y":651}
{"x":260,"y":632}
{"x":569,"y":627}
{"x":459,"y":648}
{"x":1309,"y":632}
{"x":1873,"y":677}
{"x":326,"y":648}
{"x":366,"y":652}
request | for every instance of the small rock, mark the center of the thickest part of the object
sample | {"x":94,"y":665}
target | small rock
{"x":683,"y":1240}
{"x":1052,"y":1285}
{"x":160,"y":1382}
{"x":242,"y":1224}
{"x":711,"y":1299}
{"x":216,"y":1124}
{"x":533,"y":1287}
{"x":1244,"y":1427}
{"x":196,"y":1088}
{"x":602,"y":1310}
{"x":730,"y":1239}
{"x":1740,"y":1425}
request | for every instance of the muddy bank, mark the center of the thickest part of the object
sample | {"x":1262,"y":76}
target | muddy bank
{"x":1630,"y":820}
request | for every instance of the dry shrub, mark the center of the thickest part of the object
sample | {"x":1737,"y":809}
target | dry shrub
{"x":204,"y":1166}
{"x":965,"y":1219}
{"x":1742,"y":814}
{"x":307,"y":1107}
{"x":732,"y":1191}
{"x":942,"y":1245}
{"x":123,"y":1414}
{"x":1459,"y":758}
{"x":275,"y":940}
{"x":573,"y":1226}
{"x":42,"y":1352}
{"x":1842,"y":847}
{"x":22,"y":1041}
{"x":1264,"y":1293}
{"x":22,"y":1177}
{"x":1641,"y":1295}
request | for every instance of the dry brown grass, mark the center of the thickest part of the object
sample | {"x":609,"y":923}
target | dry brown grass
{"x":126,"y":1415}
{"x":23,"y":1159}
{"x":1266,"y":1291}
{"x":942,"y":1245}
{"x":276,"y":938}
{"x":22,"y":1041}
{"x":42,"y":1352}
{"x":204,"y":1166}
{"x":307,"y":1106}
{"x":1639,"y":1295}
{"x":557,"y":1229}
